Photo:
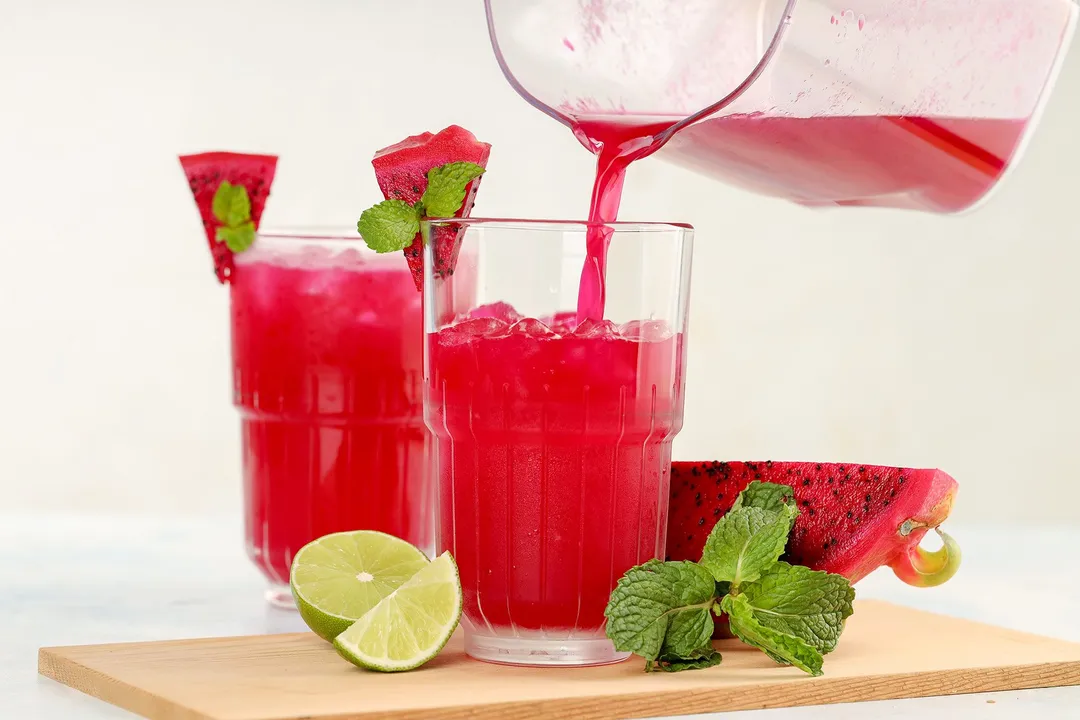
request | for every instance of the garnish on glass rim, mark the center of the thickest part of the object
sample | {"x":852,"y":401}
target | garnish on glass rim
{"x":663,"y":610}
{"x":391,"y":225}
{"x":230,"y":215}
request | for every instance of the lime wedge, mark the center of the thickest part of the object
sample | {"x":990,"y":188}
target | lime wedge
{"x":411,"y":625}
{"x":339,"y":577}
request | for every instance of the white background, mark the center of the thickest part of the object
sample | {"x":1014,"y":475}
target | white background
{"x":862,"y":335}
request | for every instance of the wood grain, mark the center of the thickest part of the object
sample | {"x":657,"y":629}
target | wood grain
{"x":886,"y":652}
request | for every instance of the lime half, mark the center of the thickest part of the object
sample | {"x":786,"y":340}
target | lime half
{"x":339,"y":577}
{"x":411,"y":625}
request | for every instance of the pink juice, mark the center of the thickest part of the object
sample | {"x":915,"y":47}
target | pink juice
{"x":554,"y":448}
{"x":327,"y":355}
{"x":939,"y":164}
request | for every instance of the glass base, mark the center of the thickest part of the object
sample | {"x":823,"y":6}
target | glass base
{"x":280,"y":596}
{"x":540,"y":651}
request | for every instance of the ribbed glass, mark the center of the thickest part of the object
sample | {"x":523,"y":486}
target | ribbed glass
{"x":327,"y":371}
{"x":553,"y":431}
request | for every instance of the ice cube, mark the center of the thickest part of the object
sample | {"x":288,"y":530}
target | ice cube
{"x":531,"y":327}
{"x":645,"y":330}
{"x":349,"y":258}
{"x":482,"y":327}
{"x":500,"y":310}
{"x":312,"y":256}
{"x":590,"y":328}
{"x":561,"y":322}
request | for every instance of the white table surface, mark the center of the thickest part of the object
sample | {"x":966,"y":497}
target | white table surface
{"x":77,"y":580}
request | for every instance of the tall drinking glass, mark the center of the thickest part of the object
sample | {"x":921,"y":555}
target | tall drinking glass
{"x":327,"y":371}
{"x":553,"y":436}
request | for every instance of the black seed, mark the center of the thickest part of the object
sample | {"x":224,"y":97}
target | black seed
{"x":716,"y":512}
{"x":806,"y":482}
{"x":697,"y":496}
{"x":701,"y":522}
{"x":757,"y":476}
{"x":830,"y":481}
{"x":867,"y":498}
{"x":892,"y":493}
{"x":719,"y":496}
{"x":836,"y":493}
{"x":862,"y":469}
{"x":885,"y":503}
{"x":416,"y":188}
{"x":690,"y":538}
{"x":811,"y":511}
{"x":817,"y":467}
{"x":826,"y":545}
{"x":901,"y":480}
{"x":768,"y":463}
{"x":806,"y":503}
{"x":850,"y":514}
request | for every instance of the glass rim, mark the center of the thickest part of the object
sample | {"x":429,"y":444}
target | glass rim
{"x":311,"y":232}
{"x":622,"y":226}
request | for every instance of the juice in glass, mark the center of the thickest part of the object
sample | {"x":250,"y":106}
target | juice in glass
{"x":327,"y":369}
{"x":553,"y":435}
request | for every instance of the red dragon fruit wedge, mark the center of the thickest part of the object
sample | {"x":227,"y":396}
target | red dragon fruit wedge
{"x":852,"y":519}
{"x":206,"y":171}
{"x":401,"y":170}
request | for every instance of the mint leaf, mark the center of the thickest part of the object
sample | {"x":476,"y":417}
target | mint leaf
{"x":745,"y":543}
{"x":231,"y":205}
{"x":446,"y":188}
{"x":389,"y":226}
{"x":239,"y":238}
{"x":770,"y":497}
{"x":699,"y":660}
{"x":806,"y":603}
{"x":688,"y":633}
{"x":780,"y":646}
{"x":651,"y":598}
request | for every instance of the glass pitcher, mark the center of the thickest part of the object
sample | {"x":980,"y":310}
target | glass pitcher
{"x":917,"y":104}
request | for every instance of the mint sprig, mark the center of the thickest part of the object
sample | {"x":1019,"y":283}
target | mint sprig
{"x":232,"y":208}
{"x":663,"y":611}
{"x":392,"y":225}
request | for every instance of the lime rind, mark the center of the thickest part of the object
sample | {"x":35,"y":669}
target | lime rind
{"x":338,"y":578}
{"x":410,"y":626}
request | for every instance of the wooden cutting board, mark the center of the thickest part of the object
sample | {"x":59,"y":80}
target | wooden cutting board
{"x":886,"y":652}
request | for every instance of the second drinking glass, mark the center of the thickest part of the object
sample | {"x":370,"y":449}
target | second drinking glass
{"x":327,"y":370}
{"x":552,"y":429}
